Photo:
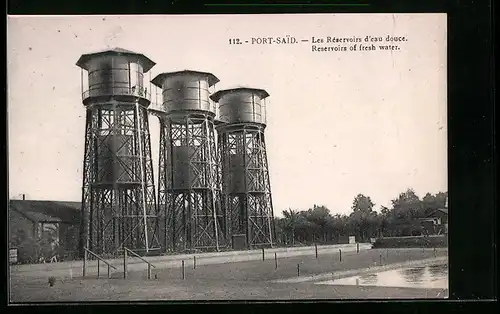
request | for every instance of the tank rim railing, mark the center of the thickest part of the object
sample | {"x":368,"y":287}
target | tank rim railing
{"x":199,"y":114}
{"x":125,"y":250}
{"x":118,"y":91}
{"x":99,"y":259}
{"x":240,"y":126}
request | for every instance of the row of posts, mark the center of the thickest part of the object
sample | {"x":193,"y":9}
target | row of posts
{"x":125,"y":255}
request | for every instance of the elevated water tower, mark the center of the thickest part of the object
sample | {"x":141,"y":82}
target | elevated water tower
{"x":189,"y":188}
{"x":118,"y":200}
{"x":245,"y":175}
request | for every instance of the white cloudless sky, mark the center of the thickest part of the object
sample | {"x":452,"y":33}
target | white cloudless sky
{"x":339,"y":123}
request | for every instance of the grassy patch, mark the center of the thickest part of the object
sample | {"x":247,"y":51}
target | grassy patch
{"x":239,"y":280}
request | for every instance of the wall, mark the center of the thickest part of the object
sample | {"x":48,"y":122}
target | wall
{"x":443,"y":217}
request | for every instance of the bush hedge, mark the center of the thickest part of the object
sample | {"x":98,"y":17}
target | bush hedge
{"x":411,"y":242}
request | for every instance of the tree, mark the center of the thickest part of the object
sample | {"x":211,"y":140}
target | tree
{"x":304,"y":229}
{"x":338,"y":225}
{"x":402,"y":218}
{"x":407,"y":205}
{"x":318,"y":217}
{"x":406,"y":209}
{"x":279,"y":224}
{"x":385,"y":220}
{"x":363,"y":218}
{"x":384,"y":210}
{"x":290,"y":223}
{"x":362,"y":203}
{"x":432,"y":202}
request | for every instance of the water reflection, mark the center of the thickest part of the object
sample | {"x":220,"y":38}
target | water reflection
{"x":434,"y":276}
{"x":437,"y":270}
{"x":414,"y":274}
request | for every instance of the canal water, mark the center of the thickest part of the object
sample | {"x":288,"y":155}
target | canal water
{"x":431,"y":276}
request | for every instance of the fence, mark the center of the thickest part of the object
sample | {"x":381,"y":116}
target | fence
{"x":114,"y":90}
{"x":99,"y":259}
{"x":125,"y":251}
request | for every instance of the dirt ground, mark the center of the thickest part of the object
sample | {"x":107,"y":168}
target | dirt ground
{"x":250,"y":280}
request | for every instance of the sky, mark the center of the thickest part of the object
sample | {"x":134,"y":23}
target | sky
{"x":339,"y":123}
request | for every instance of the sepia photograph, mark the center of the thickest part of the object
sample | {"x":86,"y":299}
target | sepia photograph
{"x":227,"y":157}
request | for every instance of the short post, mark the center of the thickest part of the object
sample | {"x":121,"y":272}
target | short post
{"x":263,"y":254}
{"x":275,"y":261}
{"x":124,"y":263}
{"x":84,"y":262}
{"x":380,"y":258}
{"x":109,"y":272}
{"x":298,"y":270}
{"x":357,"y":248}
{"x":194,"y":262}
{"x":98,"y":264}
{"x":149,"y":271}
{"x":434,"y":252}
{"x":316,"y":249}
{"x":387,"y":253}
{"x":183,"y":272}
{"x":340,"y":255}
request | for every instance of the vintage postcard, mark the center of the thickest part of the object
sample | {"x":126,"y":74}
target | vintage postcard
{"x":227,"y":157}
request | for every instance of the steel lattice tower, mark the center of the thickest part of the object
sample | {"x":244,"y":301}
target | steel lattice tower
{"x":118,"y":200}
{"x":245,"y":174}
{"x":189,"y":186}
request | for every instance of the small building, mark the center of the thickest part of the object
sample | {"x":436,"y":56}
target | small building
{"x":436,"y":221}
{"x":441,"y":215}
{"x":42,"y":230}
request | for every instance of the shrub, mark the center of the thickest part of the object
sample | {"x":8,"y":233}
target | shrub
{"x":52,"y":281}
{"x":409,"y":242}
{"x":32,"y":250}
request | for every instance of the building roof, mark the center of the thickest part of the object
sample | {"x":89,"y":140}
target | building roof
{"x":427,"y":219}
{"x":439,"y":210}
{"x":68,"y":212}
{"x":158,"y":80}
{"x":444,"y":210}
{"x":39,"y":217}
{"x":145,"y":61}
{"x":221,"y":93}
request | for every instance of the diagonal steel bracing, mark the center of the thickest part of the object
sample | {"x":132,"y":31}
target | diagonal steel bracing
{"x":245,"y":183}
{"x":189,"y":185}
{"x":118,"y":199}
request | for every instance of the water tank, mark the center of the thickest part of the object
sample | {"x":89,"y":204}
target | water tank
{"x":188,"y":161}
{"x":186,"y":91}
{"x":241,"y":105}
{"x":114,"y":75}
{"x":116,"y":160}
{"x":115,"y":72}
{"x":187,"y":174}
{"x":217,"y":119}
{"x":245,"y":166}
